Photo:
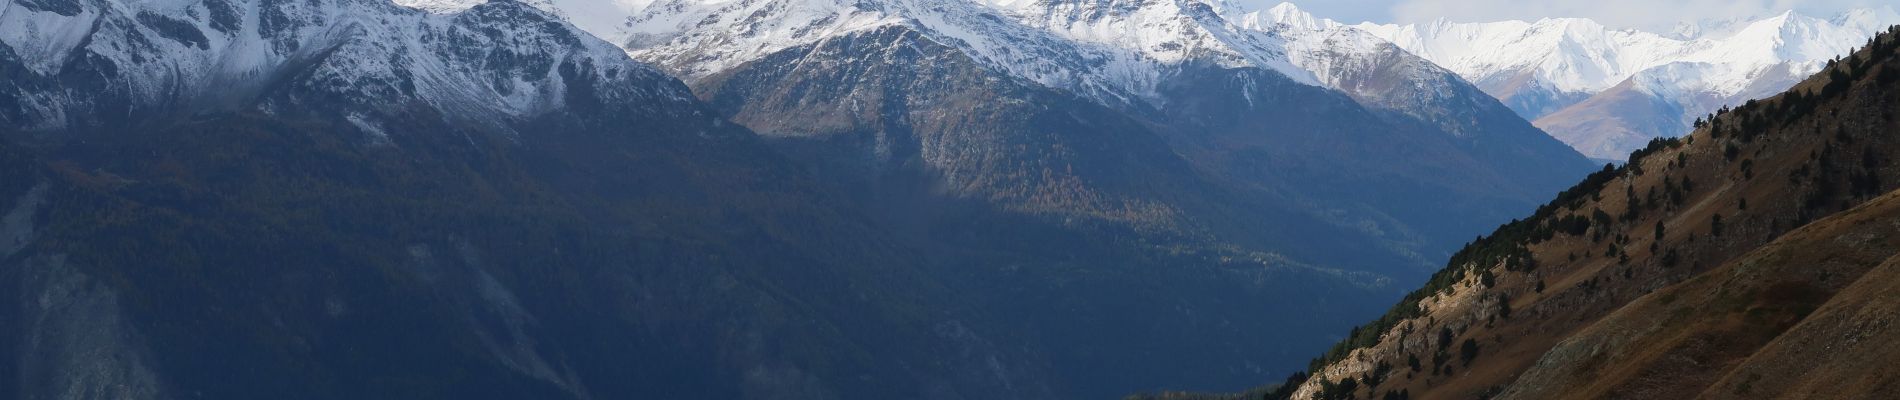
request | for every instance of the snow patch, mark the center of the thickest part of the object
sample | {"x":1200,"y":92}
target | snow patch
{"x":377,"y":135}
{"x":45,"y":40}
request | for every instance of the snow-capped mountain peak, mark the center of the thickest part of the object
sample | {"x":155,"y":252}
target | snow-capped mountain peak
{"x":1115,"y":51}
{"x":1120,"y":51}
{"x":1280,"y":16}
{"x":1580,"y":55}
{"x":490,"y":65}
{"x":1571,"y":74}
{"x":1570,"y":54}
{"x":1162,"y":31}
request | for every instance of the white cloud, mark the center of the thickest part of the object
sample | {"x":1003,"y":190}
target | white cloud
{"x":1641,"y":14}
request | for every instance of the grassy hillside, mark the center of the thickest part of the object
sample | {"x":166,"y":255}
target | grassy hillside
{"x":1680,"y":209}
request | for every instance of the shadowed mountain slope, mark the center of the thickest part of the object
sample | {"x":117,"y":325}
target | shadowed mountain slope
{"x":1196,"y":173}
{"x":350,"y":199}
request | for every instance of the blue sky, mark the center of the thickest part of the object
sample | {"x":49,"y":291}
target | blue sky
{"x":1646,"y":14}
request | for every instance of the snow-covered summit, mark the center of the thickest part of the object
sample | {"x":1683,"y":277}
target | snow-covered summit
{"x":1320,"y":46}
{"x":490,"y":65}
{"x":1256,"y":14}
{"x":1608,"y":91}
{"x":1117,"y":52}
{"x":1571,"y":54}
{"x":1113,"y":50}
{"x":1582,"y":56}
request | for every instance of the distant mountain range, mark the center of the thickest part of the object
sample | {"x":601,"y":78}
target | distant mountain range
{"x":1609,"y":91}
{"x":1603,"y":91}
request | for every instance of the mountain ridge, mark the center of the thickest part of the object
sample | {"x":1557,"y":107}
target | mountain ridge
{"x":1247,"y":162}
{"x":1574,"y":67}
{"x":1553,"y":65}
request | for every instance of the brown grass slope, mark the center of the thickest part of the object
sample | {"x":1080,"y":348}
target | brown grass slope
{"x":1761,"y":170}
{"x":1673,"y":344}
{"x":1844,"y":350}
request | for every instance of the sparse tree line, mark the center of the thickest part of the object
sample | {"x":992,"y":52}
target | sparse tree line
{"x":1829,"y":182}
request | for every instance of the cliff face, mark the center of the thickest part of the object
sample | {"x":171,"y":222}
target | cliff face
{"x":1698,"y":269}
